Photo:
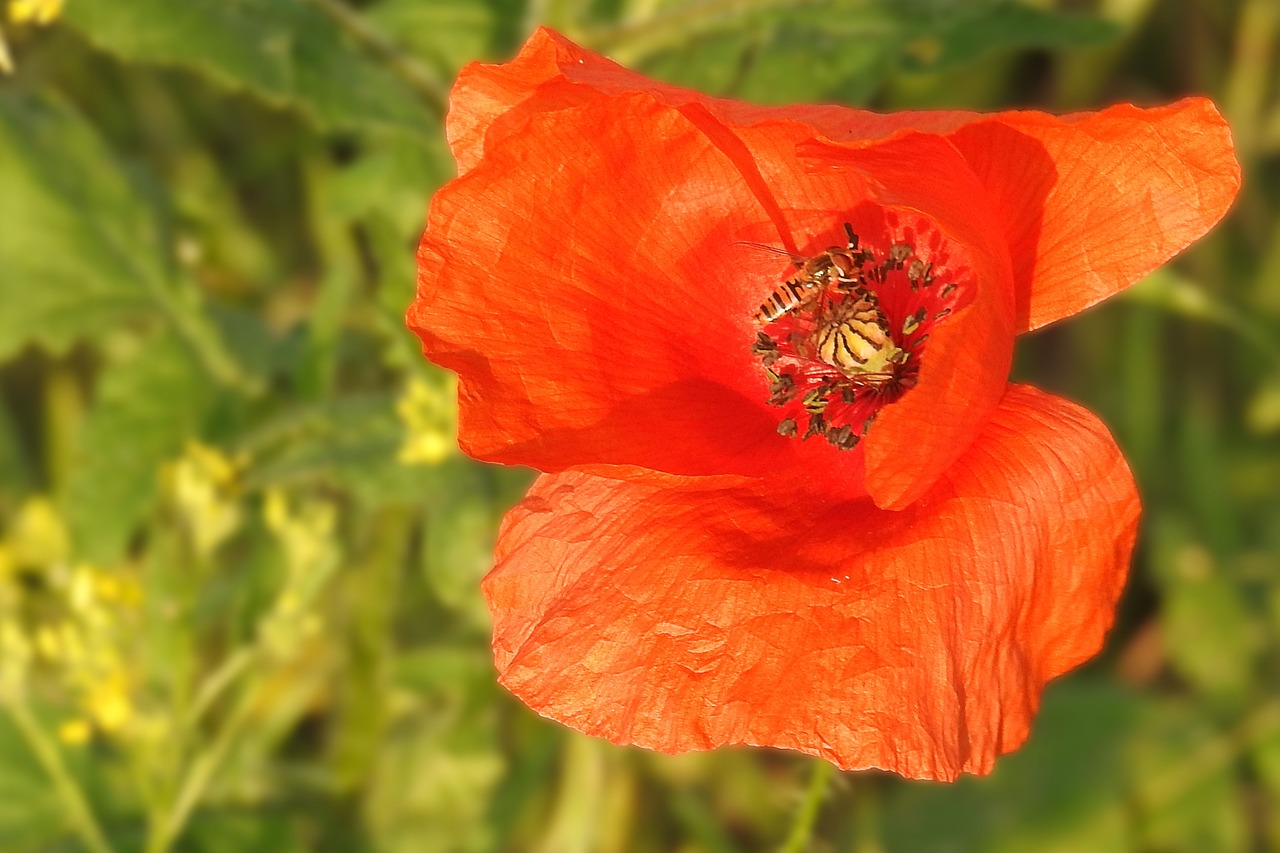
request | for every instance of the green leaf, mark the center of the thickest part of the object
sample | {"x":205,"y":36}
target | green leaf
{"x":244,"y":832}
{"x":351,"y":443}
{"x":393,"y":178}
{"x":458,"y":551}
{"x":1079,"y":805}
{"x":446,"y":33}
{"x":1002,"y":28}
{"x":439,"y":763}
{"x":287,"y":52}
{"x":79,"y":248}
{"x":147,"y":408}
{"x":1212,"y":634}
{"x":1187,"y":795}
{"x":1265,"y":760}
{"x":31,"y":817}
{"x":843,"y":61}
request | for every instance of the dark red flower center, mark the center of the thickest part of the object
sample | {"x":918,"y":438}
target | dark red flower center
{"x":844,"y":335}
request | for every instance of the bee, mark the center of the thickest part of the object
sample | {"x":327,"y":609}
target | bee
{"x":853,"y":337}
{"x":838,"y":266}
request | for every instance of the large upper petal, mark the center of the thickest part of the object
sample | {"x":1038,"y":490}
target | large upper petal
{"x":1089,"y":203}
{"x":687,"y":613}
{"x":486,"y":99}
{"x":584,"y":282}
{"x":1093,"y":202}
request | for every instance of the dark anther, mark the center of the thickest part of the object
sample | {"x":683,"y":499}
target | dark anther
{"x":787,"y":428}
{"x":782,"y":390}
{"x":843,"y":437}
{"x":915,"y":272}
{"x":898,"y":253}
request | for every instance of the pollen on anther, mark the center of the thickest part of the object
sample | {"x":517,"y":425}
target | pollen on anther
{"x":843,"y":334}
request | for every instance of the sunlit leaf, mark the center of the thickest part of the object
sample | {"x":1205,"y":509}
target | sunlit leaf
{"x":1210,"y":631}
{"x":1010,"y":26}
{"x":447,"y":33}
{"x":1079,"y":805}
{"x":1186,"y":790}
{"x":287,"y":52}
{"x":458,"y":551}
{"x":30,"y":815}
{"x":146,"y":409}
{"x":438,"y":764}
{"x":79,"y":247}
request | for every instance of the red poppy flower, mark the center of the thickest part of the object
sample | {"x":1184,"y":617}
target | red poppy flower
{"x":762,"y":354}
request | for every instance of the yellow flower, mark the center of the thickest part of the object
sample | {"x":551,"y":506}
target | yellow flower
{"x":202,"y":486}
{"x":108,"y":702}
{"x":430,"y":419}
{"x":74,"y":732}
{"x":306,"y":534}
{"x":38,"y":536}
{"x":40,"y":12}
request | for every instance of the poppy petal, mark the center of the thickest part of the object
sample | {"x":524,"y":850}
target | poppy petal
{"x":688,"y":613}
{"x":1089,"y":202}
{"x":602,"y":313}
{"x":484,"y":94}
{"x":1093,"y":202}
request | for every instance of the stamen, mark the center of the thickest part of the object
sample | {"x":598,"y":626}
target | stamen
{"x":843,"y":336}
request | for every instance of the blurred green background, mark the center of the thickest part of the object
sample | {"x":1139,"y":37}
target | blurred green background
{"x":240,"y":553}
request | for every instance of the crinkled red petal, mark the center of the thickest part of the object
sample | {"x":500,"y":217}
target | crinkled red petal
{"x":688,"y":613}
{"x":586,"y":282}
{"x":1092,"y":202}
{"x":1089,"y":203}
{"x":484,"y":94}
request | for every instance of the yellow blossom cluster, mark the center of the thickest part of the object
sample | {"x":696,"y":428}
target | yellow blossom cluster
{"x":429,"y":415}
{"x":307,"y":534}
{"x":203,"y":488}
{"x":34,"y":11}
{"x":66,"y":622}
{"x":23,"y":12}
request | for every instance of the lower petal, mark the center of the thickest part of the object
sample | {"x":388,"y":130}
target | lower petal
{"x":682,"y":613}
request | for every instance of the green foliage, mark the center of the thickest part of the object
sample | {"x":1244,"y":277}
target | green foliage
{"x":61,"y":182}
{"x":30,"y":815}
{"x":212,"y":425}
{"x":846,"y":50}
{"x":285,"y":51}
{"x":146,"y":408}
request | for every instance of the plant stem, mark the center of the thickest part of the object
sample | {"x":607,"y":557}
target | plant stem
{"x":632,"y":40}
{"x":183,"y":310}
{"x":50,"y":758}
{"x":802,"y":830}
{"x":416,"y":75}
{"x":197,"y":781}
{"x":212,"y":687}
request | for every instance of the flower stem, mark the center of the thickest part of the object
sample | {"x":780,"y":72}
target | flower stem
{"x":802,"y":830}
{"x":50,"y":758}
